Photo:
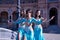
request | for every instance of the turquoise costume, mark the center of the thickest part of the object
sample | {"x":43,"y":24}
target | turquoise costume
{"x":38,"y":32}
{"x":29,"y":33}
{"x":21,"y":28}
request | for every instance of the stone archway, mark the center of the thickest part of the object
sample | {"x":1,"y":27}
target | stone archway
{"x":4,"y":18}
{"x":53,"y":12}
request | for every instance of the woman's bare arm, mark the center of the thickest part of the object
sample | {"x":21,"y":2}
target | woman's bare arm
{"x":50,"y":19}
{"x":45,"y":20}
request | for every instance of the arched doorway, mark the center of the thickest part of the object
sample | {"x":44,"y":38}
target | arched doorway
{"x":0,"y":18}
{"x":4,"y":18}
{"x":53,"y":12}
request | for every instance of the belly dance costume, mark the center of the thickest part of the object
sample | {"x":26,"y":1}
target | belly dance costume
{"x":29,"y":33}
{"x":21,"y":30}
{"x":38,"y":32}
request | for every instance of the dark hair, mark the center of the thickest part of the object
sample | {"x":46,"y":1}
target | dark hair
{"x":29,"y":11}
{"x":36,"y":14}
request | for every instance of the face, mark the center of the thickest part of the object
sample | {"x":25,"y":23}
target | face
{"x":29,"y":14}
{"x":39,"y":12}
{"x":23,"y":14}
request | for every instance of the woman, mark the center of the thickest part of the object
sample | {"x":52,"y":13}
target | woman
{"x":38,"y":31}
{"x":29,"y":33}
{"x":21,"y":21}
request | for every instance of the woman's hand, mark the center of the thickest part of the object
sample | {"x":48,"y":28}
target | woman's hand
{"x":52,"y":17}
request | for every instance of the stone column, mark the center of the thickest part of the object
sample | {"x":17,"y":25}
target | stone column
{"x":18,"y":10}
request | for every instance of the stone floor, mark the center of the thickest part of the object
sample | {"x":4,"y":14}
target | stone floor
{"x":50,"y":33}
